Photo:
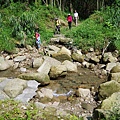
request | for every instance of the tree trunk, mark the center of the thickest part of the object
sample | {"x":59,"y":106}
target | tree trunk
{"x":63,"y":5}
{"x":58,"y":4}
{"x":97,"y":4}
{"x":51,"y":2}
{"x":71,"y":7}
{"x":103,"y":3}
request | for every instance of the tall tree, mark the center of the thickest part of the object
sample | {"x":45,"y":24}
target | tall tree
{"x":63,"y":5}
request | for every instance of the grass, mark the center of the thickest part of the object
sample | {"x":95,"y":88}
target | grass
{"x":94,"y":32}
{"x":15,"y":110}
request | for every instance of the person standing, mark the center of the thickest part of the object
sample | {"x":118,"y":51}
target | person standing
{"x":57,"y":26}
{"x":69,"y":19}
{"x":76,"y":17}
{"x":37,"y":37}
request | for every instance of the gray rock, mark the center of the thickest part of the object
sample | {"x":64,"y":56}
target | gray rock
{"x":4,"y":82}
{"x":39,"y":77}
{"x":71,"y":67}
{"x":37,"y":62}
{"x":115,"y":76}
{"x":56,"y":71}
{"x":15,"y":87}
{"x":29,"y":92}
{"x":40,"y":105}
{"x":44,"y":68}
{"x":3,"y":96}
{"x":108,"y":88}
{"x":4,"y":64}
{"x":62,"y":55}
{"x":110,"y":108}
{"x":19,"y":58}
{"x":87,"y":106}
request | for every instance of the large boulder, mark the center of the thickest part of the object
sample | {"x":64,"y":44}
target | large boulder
{"x":83,"y":93}
{"x":47,"y":92}
{"x":71,"y":67}
{"x":51,"y":61}
{"x":29,"y":92}
{"x":56,"y":71}
{"x":44,"y":68}
{"x":39,"y":77}
{"x":37,"y":62}
{"x":115,"y":69}
{"x":3,"y":95}
{"x":77,"y":57}
{"x":62,"y":55}
{"x":19,"y":58}
{"x":108,"y":88}
{"x":64,"y":40}
{"x":109,"y":66}
{"x":48,"y":62}
{"x":95,"y":59}
{"x":5,"y":64}
{"x":15,"y":87}
{"x":110,"y":108}
{"x":54,"y":48}
{"x":115,"y":76}
{"x":108,"y":57}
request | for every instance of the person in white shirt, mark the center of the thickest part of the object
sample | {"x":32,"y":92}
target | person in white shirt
{"x":76,"y":17}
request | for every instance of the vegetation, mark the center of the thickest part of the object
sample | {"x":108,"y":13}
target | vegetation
{"x":15,"y":110}
{"x":18,"y":22}
{"x":113,"y":114}
{"x":19,"y":26}
{"x":99,"y":29}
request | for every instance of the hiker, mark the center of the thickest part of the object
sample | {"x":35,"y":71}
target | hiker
{"x":37,"y":37}
{"x":76,"y":17}
{"x":69,"y":19}
{"x":57,"y":26}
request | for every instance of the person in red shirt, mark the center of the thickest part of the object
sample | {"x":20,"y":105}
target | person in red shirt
{"x":69,"y":19}
{"x":37,"y":37}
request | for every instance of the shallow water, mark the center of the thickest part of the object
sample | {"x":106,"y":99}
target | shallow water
{"x":85,"y":78}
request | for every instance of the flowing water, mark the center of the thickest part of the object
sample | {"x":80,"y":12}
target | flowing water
{"x":84,"y":78}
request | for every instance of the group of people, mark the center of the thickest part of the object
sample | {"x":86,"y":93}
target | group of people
{"x":74,"y":18}
{"x":69,"y":19}
{"x":57,"y":27}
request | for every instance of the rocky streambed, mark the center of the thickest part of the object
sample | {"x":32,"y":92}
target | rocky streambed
{"x":68,"y":81}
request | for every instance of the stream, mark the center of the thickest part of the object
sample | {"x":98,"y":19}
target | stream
{"x":84,"y":78}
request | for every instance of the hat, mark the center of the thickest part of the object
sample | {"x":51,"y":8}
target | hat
{"x":69,"y":14}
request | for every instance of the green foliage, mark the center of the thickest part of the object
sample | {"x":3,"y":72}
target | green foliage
{"x":21,"y":21}
{"x":88,"y":34}
{"x":12,"y":110}
{"x":112,"y":14}
{"x":73,"y":117}
{"x":6,"y":42}
{"x":23,"y":25}
{"x":0,"y":20}
{"x":94,"y":32}
{"x":113,"y":114}
{"x":15,"y":110}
